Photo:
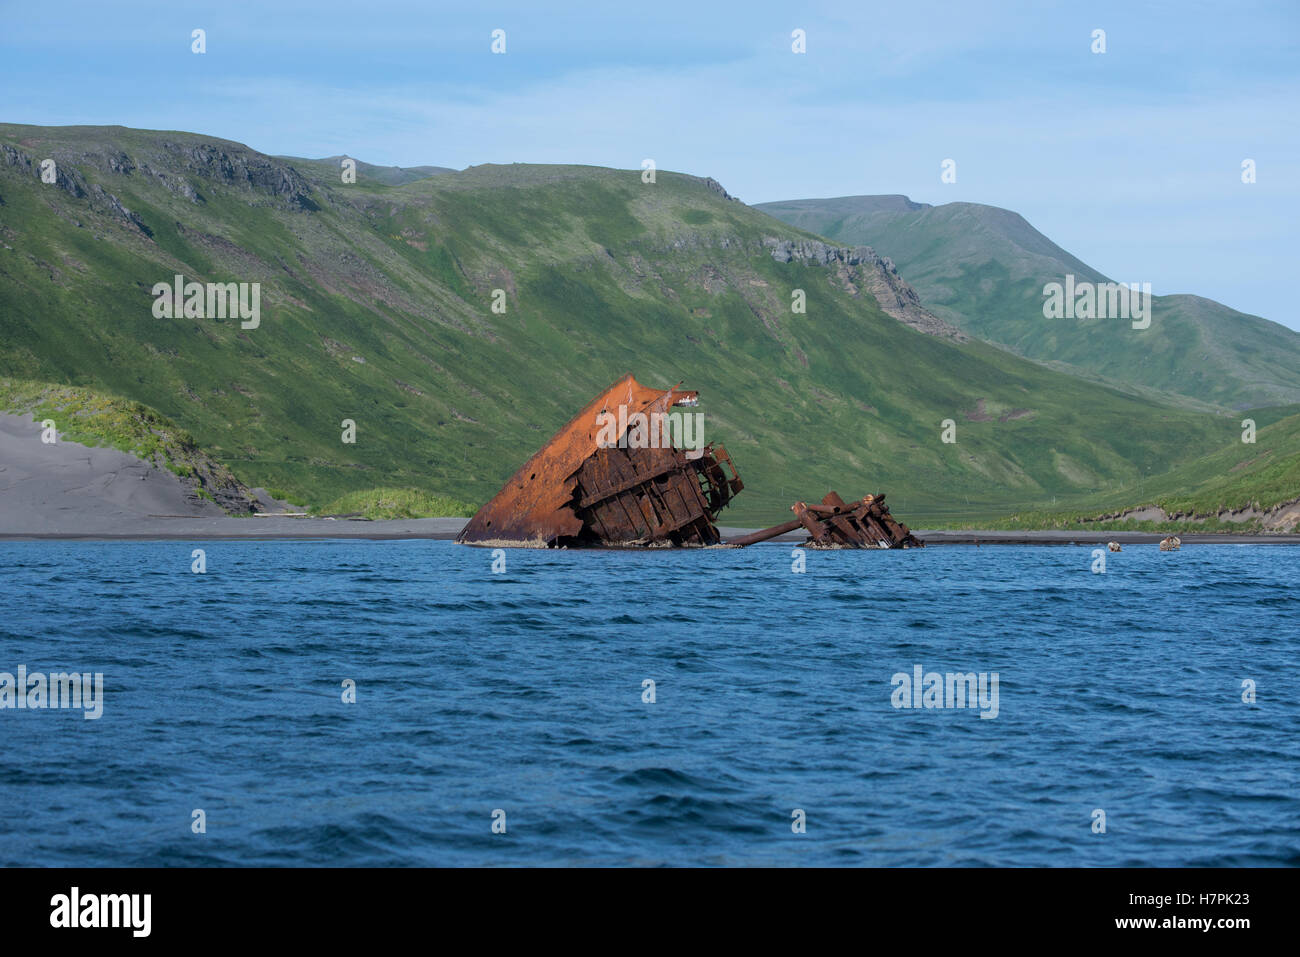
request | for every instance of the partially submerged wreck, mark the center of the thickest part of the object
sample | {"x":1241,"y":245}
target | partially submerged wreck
{"x":836,"y":523}
{"x":615,"y":475}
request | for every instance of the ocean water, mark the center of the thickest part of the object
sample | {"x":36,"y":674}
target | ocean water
{"x":522,"y":692}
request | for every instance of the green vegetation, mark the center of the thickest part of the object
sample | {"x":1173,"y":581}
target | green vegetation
{"x":376,"y":307}
{"x":1249,"y":481}
{"x":93,"y":418}
{"x":378,"y":503}
{"x":96,"y":419}
{"x":283,"y":496}
{"x":983,"y":268}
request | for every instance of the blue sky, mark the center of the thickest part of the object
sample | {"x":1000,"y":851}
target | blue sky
{"x":1129,"y":159}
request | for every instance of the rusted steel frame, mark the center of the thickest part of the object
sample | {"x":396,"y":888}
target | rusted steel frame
{"x":828,"y":511}
{"x":670,"y":504}
{"x":636,"y":525}
{"x":809,"y":521}
{"x":708,"y":473}
{"x":734,"y":484}
{"x":839,"y":520}
{"x":687,"y":477}
{"x":596,"y":471}
{"x":896,"y":531}
{"x":664,"y":488}
{"x":725,"y":488}
{"x":872,"y":534}
{"x":871,"y":514}
{"x":837,"y":515}
{"x":595,"y":496}
{"x":601,"y":468}
{"x":655,"y":524}
{"x":713,"y":490}
{"x":893,"y":524}
{"x":598,"y":516}
{"x":856,"y":515}
{"x":652,"y":500}
{"x":639,"y":524}
{"x":876,"y":531}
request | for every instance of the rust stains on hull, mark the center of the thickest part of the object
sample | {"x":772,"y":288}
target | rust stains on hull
{"x":577,"y":491}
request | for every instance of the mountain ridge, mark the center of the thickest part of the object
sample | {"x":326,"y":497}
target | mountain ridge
{"x":378,"y":307}
{"x":983,"y":268}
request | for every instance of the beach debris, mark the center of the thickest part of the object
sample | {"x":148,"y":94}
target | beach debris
{"x":1114,"y":546}
{"x":1171,"y":543}
{"x":619,"y":474}
{"x":836,"y":523}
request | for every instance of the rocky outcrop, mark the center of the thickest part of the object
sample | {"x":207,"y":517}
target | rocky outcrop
{"x":1283,"y":517}
{"x":205,"y":477}
{"x":862,"y":268}
{"x":69,"y":179}
{"x":242,"y":168}
{"x":172,"y":164}
{"x":716,"y":187}
{"x":105,"y":198}
{"x":15,"y":157}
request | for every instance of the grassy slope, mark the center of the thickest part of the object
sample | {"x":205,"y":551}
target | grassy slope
{"x":1259,"y":475}
{"x":388,"y":503}
{"x":983,"y":268}
{"x":603,"y":275}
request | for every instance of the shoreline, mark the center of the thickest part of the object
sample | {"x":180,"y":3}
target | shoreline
{"x":279,"y":528}
{"x":75,"y":493}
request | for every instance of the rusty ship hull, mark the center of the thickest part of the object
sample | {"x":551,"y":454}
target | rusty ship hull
{"x":589,"y":486}
{"x":577,"y":492}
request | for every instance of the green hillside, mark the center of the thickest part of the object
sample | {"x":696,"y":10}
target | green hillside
{"x":983,"y":268}
{"x":1241,"y":487}
{"x":376,"y":307}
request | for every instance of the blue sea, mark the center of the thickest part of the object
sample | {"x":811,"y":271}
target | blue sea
{"x":770,"y":735}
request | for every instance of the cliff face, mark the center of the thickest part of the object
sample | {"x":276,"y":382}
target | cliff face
{"x":171,"y":163}
{"x":861,"y":269}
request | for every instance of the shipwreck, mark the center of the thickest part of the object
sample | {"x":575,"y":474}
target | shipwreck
{"x":618,"y":474}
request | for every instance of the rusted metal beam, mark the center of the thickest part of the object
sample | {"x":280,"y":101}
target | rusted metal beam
{"x":764,"y":534}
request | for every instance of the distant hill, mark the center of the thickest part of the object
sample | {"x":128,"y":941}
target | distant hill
{"x":983,"y":268}
{"x":388,"y":175}
{"x":377,"y":307}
